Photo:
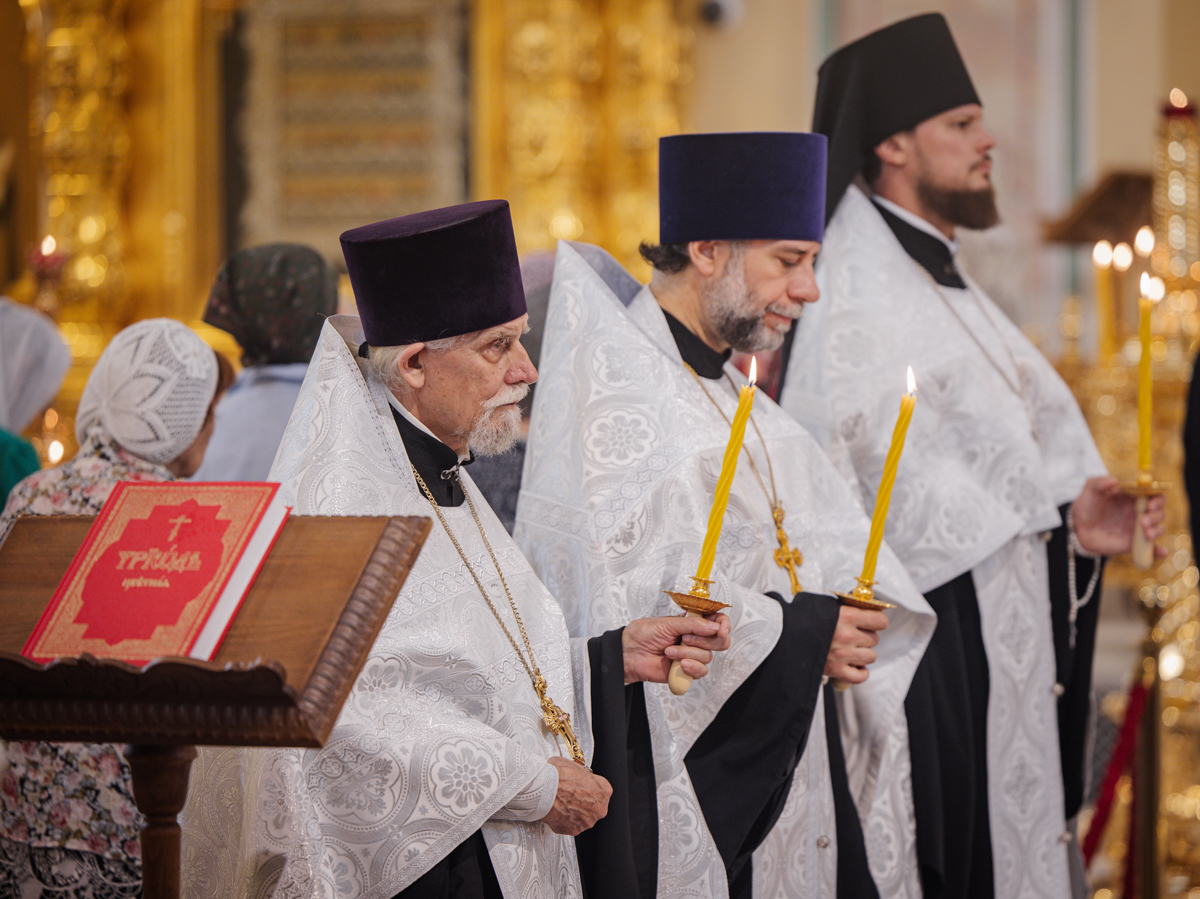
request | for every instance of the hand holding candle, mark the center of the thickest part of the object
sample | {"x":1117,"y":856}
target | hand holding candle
{"x":677,"y":679}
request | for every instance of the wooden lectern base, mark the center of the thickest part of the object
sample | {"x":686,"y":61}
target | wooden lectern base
{"x":160,"y":787}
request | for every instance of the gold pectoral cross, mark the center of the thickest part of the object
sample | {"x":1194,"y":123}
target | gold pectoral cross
{"x":785,"y":556}
{"x":557,"y":721}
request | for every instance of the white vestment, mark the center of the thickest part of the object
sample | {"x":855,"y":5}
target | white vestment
{"x":975,"y":490}
{"x":623,"y":456}
{"x":441,"y":733}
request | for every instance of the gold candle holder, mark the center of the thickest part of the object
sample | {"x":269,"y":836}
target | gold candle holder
{"x":697,"y":604}
{"x":1143,"y":487}
{"x":863,"y":597}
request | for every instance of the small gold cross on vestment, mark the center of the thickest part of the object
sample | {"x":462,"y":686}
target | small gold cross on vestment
{"x":785,"y":556}
{"x":557,"y":721}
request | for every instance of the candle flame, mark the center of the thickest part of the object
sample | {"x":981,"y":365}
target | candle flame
{"x":1144,"y":242}
{"x":1152,"y":287}
{"x":1178,"y":98}
{"x":49,"y":244}
{"x":753,"y":370}
{"x":1102,"y":254}
{"x":1122,"y":256}
{"x":912,"y":381}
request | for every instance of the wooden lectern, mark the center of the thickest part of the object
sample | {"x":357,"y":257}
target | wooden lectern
{"x":279,"y":678}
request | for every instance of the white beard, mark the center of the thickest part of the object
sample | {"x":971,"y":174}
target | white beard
{"x":498,"y":428}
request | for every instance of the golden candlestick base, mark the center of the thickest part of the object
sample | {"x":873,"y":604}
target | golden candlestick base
{"x":863,"y":597}
{"x":1143,"y":487}
{"x":697,"y":604}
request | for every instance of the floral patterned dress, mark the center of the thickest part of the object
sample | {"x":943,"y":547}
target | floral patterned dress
{"x":68,"y":822}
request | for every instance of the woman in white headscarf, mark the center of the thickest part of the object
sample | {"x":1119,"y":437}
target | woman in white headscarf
{"x":68,"y":822}
{"x":33,"y":362}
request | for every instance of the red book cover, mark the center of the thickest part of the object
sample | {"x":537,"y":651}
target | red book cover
{"x":162,"y":571}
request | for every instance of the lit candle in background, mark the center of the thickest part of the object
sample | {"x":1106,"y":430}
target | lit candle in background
{"x":1144,"y":242}
{"x":1106,"y":331}
{"x":884,"y":495}
{"x":733,"y":449}
{"x":1152,"y":291}
{"x":1122,"y":259}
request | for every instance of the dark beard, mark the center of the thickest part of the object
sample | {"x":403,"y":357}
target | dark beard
{"x":740,"y":333}
{"x":971,"y":209}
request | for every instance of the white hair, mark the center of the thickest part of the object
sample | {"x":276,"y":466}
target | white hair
{"x":382,"y":359}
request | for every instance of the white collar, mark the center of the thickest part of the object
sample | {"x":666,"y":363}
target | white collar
{"x":916,"y":221}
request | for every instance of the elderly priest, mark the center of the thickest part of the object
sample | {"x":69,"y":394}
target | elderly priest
{"x":458,"y":764}
{"x":630,"y":424}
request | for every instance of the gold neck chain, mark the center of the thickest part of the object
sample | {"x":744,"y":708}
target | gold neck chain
{"x":557,"y":721}
{"x":785,"y":557}
{"x":1017,"y":386}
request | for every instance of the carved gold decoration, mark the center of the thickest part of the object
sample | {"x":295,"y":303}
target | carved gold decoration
{"x":569,"y":101}
{"x":1176,"y":195}
{"x":78,"y":118}
{"x":1165,"y":785}
{"x":1107,"y":394}
{"x":121,"y":87}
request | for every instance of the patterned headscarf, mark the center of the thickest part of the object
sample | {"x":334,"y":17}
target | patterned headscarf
{"x":33,"y":362}
{"x":150,"y":389}
{"x":273,"y":299}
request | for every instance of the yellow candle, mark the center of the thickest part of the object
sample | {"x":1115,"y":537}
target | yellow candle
{"x":884,"y":495}
{"x":721,"y":496}
{"x":1106,"y":331}
{"x":1151,"y":291}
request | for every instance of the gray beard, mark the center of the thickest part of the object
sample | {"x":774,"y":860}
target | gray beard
{"x":727,"y":301}
{"x":974,"y":210}
{"x":497,"y":430}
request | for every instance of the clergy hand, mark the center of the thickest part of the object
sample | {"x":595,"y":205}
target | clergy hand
{"x":1104,"y":517}
{"x":853,"y":644}
{"x":650,"y":645}
{"x":581,"y":800}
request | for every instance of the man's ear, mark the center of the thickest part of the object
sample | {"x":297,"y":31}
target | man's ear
{"x":894,"y":150}
{"x":705,"y":255}
{"x":411,"y":365}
